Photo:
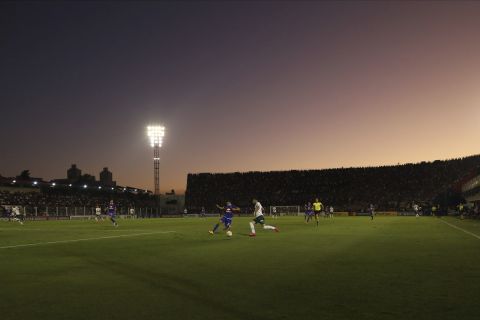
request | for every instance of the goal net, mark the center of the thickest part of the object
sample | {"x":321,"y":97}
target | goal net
{"x":285,"y":210}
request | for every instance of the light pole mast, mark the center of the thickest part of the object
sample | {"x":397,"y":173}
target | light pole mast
{"x":156,"y":134}
{"x":156,"y":169}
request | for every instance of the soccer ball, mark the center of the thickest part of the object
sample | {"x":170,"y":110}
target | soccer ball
{"x":229,"y":233}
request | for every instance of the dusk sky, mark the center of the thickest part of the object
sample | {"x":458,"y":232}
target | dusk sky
{"x":239,"y":86}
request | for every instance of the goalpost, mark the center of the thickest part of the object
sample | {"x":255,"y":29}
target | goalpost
{"x":286,"y":210}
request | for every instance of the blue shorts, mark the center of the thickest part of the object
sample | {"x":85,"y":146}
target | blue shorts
{"x":227,"y":221}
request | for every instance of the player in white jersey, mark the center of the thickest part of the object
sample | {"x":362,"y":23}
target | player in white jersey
{"x":259,"y":218}
{"x":274,"y":212}
{"x":132,"y":213}
{"x":16,"y":215}
{"x":98,"y":213}
{"x":416,"y":208}
{"x":330,"y":212}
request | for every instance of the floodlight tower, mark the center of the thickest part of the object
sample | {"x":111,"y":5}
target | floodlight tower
{"x":156,"y":134}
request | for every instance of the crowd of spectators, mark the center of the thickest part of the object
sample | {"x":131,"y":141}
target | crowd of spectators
{"x":51,"y":198}
{"x":347,"y":189}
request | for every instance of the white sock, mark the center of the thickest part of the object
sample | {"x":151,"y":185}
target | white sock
{"x":267,"y":227}
{"x":252,"y":227}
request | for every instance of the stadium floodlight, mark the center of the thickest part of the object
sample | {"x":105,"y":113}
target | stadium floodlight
{"x":14,"y":181}
{"x":156,"y":134}
{"x":70,"y":185}
{"x":99,"y":187}
{"x":35,"y":183}
{"x":84,"y":186}
{"x":53,"y":184}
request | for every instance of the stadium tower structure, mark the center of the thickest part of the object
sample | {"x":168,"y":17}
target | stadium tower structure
{"x":156,"y":134}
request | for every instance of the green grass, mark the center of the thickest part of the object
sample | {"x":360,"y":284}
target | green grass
{"x":348,"y":268}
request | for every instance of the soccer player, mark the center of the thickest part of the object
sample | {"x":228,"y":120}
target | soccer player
{"x":317,"y":209}
{"x":330,"y":212}
{"x":202,"y":213}
{"x":274,"y":212}
{"x":434,"y":210}
{"x":416,"y":209}
{"x":259,"y":218}
{"x":460,"y":210}
{"x":132,"y":213}
{"x":112,"y":212}
{"x":308,"y":212}
{"x":372,"y":211}
{"x":98,"y":213}
{"x":16,"y":215}
{"x":227,"y":217}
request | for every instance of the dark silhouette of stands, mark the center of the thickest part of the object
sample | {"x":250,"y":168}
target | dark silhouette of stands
{"x":348,"y":189}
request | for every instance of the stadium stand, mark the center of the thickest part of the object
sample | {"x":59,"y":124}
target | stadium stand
{"x":64,"y":202}
{"x":348,"y":189}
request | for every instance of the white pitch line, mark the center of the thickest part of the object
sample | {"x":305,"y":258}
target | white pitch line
{"x":84,"y":239}
{"x":461,"y":229}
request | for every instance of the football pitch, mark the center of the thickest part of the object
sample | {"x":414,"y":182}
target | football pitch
{"x":347,"y":268}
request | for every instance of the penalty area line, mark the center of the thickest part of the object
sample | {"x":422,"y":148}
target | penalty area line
{"x":461,"y":229}
{"x":85,"y":239}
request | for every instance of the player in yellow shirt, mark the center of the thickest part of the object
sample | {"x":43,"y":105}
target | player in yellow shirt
{"x":461,"y":209}
{"x":317,"y":209}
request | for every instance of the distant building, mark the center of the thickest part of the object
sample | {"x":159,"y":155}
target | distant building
{"x":106,"y":178}
{"x":74,"y":174}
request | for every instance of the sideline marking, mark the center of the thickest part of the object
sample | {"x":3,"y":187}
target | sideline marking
{"x":461,"y":229}
{"x":85,"y":239}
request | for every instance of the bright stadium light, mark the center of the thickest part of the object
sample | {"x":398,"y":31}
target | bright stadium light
{"x":70,"y":185}
{"x":14,"y":181}
{"x":53,"y":184}
{"x":99,"y":187}
{"x":84,"y":186}
{"x":35,"y":183}
{"x":156,"y":135}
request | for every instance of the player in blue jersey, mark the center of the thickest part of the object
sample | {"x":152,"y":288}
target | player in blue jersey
{"x":227,"y":217}
{"x":308,"y":212}
{"x":112,"y":213}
